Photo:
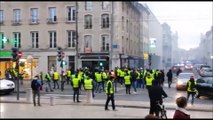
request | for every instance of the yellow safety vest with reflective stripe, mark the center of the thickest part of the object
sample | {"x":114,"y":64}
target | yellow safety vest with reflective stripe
{"x":98,"y":77}
{"x":15,"y":73}
{"x":68,"y":73}
{"x":127,"y":80}
{"x":189,"y":87}
{"x":88,"y":84}
{"x":47,"y":77}
{"x":75,"y":82}
{"x":129,"y":72}
{"x":55,"y":76}
{"x":111,"y":90}
{"x":118,"y":72}
{"x":149,"y":81}
{"x":138,"y":73}
{"x":104,"y":75}
{"x":122,"y":73}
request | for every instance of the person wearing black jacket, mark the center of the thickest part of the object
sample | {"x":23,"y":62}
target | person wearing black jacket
{"x":169,"y":75}
{"x":156,"y":94}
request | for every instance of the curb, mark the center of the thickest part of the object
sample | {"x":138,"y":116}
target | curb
{"x":96,"y":104}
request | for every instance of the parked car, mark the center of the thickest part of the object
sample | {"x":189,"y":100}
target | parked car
{"x":182,"y":79}
{"x":6,"y":86}
{"x":205,"y":86}
{"x":206,"y":72}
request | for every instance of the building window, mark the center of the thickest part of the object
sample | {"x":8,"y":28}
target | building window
{"x":122,"y":22}
{"x":17,"y":15}
{"x":71,"y":13}
{"x":52,"y":36}
{"x":88,"y":5}
{"x":105,"y":5}
{"x":34,"y":38}
{"x":52,"y":14}
{"x":88,"y":21}
{"x":17,"y":39}
{"x":105,"y":21}
{"x":105,"y":42}
{"x":34,"y":15}
{"x":71,"y":36}
{"x":87,"y":41}
{"x":1,"y":16}
{"x":2,"y":41}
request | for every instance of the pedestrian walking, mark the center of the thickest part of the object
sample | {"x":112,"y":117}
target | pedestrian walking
{"x":169,"y":76}
{"x":55,"y":79}
{"x":36,"y":87}
{"x":68,"y":75}
{"x":191,"y":89}
{"x":99,"y":81}
{"x":134,"y":76}
{"x":109,"y":89}
{"x":156,"y":94}
{"x":48,"y":82}
{"x":88,"y":86}
{"x":63,"y":80}
{"x":181,"y":112}
{"x":76,"y":86}
{"x":127,"y":82}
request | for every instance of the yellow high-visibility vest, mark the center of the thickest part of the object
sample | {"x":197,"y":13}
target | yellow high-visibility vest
{"x":127,"y":80}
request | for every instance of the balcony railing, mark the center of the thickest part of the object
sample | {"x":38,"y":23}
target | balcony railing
{"x":16,"y":22}
{"x":52,"y":20}
{"x":34,"y":21}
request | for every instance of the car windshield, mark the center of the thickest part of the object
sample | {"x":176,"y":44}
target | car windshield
{"x":185,"y":76}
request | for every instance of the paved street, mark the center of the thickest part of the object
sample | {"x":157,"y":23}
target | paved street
{"x":79,"y":111}
{"x":138,"y":104}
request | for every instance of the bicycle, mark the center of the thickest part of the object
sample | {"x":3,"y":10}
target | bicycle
{"x":162,"y":110}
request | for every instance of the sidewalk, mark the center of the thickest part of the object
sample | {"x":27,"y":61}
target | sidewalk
{"x":119,"y":103}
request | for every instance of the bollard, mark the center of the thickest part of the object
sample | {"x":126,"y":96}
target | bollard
{"x":29,"y":95}
{"x":51,"y":100}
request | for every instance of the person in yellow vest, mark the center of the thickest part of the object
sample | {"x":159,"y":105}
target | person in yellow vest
{"x":109,"y":89}
{"x":55,"y":79}
{"x":149,"y":80}
{"x":14,"y":74}
{"x":122,"y":76}
{"x":40,"y":77}
{"x":88,"y":86}
{"x":104,"y":77}
{"x":99,"y":81}
{"x":138,"y":79}
{"x":68,"y":76}
{"x":76,"y":85}
{"x":48,"y":82}
{"x":63,"y":80}
{"x":191,"y":89}
{"x":127,"y":82}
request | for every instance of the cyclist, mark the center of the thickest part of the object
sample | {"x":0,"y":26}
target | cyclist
{"x":156,"y":94}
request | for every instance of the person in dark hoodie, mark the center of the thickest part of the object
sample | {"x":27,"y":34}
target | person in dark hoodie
{"x":156,"y":94}
{"x":181,"y":112}
{"x":169,"y":75}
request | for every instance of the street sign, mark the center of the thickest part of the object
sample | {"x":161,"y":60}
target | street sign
{"x":114,"y":46}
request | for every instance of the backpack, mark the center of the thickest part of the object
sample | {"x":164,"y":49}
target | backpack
{"x":35,"y":85}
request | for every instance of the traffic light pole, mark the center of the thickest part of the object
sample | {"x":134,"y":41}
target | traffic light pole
{"x":17,"y":81}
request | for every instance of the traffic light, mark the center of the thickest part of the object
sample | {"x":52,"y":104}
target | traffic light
{"x":15,"y":52}
{"x":59,"y":54}
{"x":101,"y":64}
{"x":63,"y":63}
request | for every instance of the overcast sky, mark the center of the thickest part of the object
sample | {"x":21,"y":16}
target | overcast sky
{"x":189,"y":19}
